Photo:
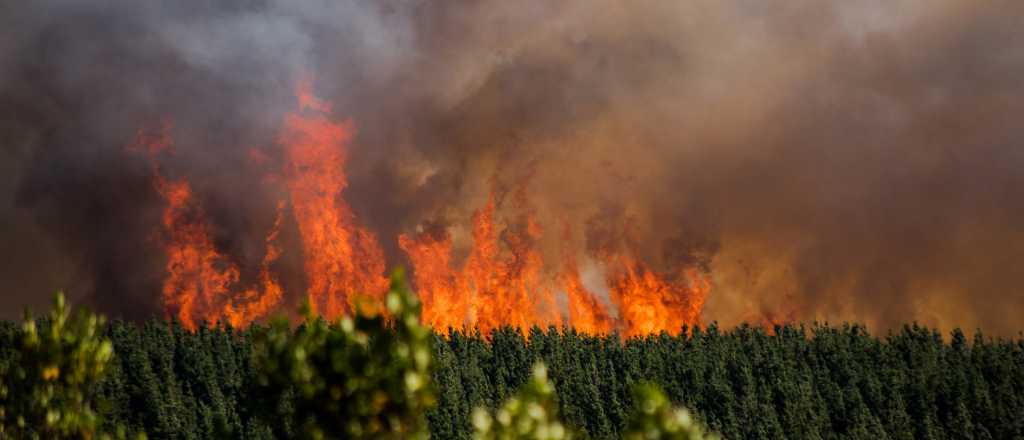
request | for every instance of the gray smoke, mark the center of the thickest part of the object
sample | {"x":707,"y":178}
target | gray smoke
{"x":840,"y":161}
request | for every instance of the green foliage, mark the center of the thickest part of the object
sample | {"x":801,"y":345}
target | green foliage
{"x":654,"y":418}
{"x":361,"y":377}
{"x":531,"y":414}
{"x":47,"y":381}
{"x":818,"y":382}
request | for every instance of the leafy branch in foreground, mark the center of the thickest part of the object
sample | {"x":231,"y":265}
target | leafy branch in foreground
{"x":531,"y":414}
{"x":655,"y":418}
{"x":46,"y":386}
{"x":366,"y":376}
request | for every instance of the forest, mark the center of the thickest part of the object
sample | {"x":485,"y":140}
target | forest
{"x":381,"y":376}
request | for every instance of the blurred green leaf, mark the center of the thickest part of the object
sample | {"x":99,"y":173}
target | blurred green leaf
{"x":365,"y":376}
{"x":46,"y":388}
{"x":531,"y":414}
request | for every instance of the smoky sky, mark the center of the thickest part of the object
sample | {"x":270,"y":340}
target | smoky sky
{"x":825,"y":160}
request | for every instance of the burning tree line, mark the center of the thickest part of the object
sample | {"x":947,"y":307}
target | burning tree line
{"x":65,"y":377}
{"x":367,"y":376}
{"x":503,"y":281}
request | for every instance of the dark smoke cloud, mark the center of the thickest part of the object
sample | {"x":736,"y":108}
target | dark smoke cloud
{"x":840,"y":161}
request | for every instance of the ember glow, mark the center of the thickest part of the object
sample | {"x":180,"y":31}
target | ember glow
{"x":578,"y":164}
{"x":202,"y":283}
{"x":341,"y":258}
{"x":500,"y":283}
{"x":504,"y":280}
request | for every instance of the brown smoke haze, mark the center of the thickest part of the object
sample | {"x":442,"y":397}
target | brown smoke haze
{"x":858,"y":161}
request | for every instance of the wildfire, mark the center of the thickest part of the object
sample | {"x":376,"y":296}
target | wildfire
{"x":649,"y":303}
{"x":201,"y":281}
{"x":431,"y":253}
{"x":341,"y":259}
{"x":495,"y":286}
{"x":258,"y":303}
{"x":770,"y":319}
{"x":504,"y":280}
{"x":586,"y":313}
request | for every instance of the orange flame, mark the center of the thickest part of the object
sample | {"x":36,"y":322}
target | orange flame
{"x":769,"y":319}
{"x":586,"y":313}
{"x":443,"y":305}
{"x":341,"y":259}
{"x":200,"y":279}
{"x":495,"y":286}
{"x":257,"y":304}
{"x":503,"y":281}
{"x":649,"y":303}
{"x":508,"y":288}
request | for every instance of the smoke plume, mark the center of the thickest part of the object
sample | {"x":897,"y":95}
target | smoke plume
{"x":822,"y":160}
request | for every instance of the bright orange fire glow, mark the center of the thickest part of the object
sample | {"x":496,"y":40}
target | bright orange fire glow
{"x":649,"y":303}
{"x":586,"y":313}
{"x":258,"y":303}
{"x":507,"y":288}
{"x":200,"y":279}
{"x":495,"y":287}
{"x":443,"y":305}
{"x":503,"y":281}
{"x":770,"y":319}
{"x":341,"y":259}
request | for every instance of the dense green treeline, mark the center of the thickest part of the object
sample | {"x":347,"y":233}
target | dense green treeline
{"x":819,"y":382}
{"x":824,"y":382}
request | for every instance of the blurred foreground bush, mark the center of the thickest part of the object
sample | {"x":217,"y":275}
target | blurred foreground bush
{"x":360,"y":377}
{"x":46,"y":384}
{"x":369,"y":376}
{"x":532,"y":414}
{"x":365,"y":376}
{"x":654,"y":418}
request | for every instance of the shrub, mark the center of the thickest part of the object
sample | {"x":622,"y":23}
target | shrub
{"x":366,"y":376}
{"x":46,"y":385}
{"x":532,"y":414}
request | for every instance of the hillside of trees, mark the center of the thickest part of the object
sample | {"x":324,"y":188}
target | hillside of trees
{"x":816,"y":382}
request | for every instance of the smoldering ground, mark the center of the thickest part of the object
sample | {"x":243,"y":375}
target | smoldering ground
{"x":840,"y":161}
